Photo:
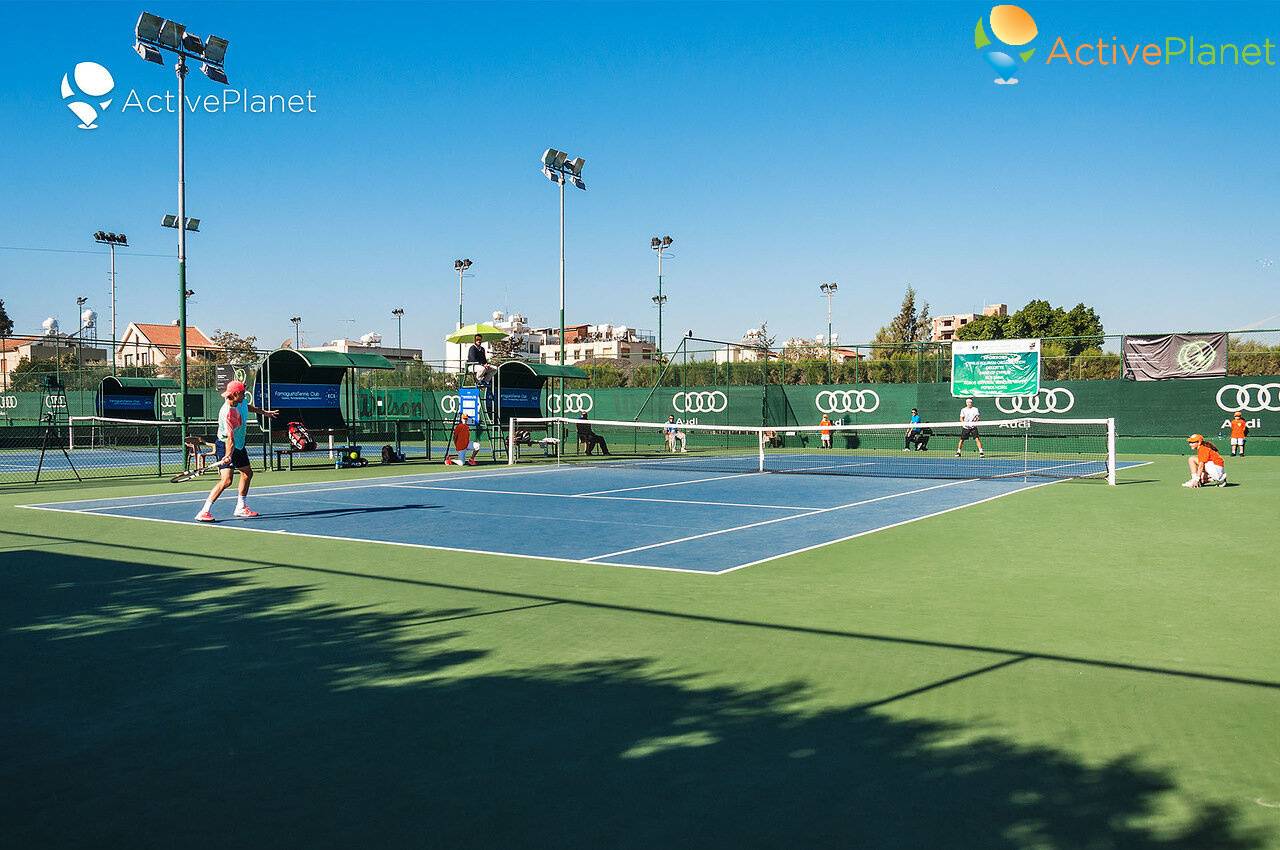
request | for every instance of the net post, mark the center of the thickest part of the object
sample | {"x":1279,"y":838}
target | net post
{"x":1111,"y":451}
{"x":760,"y":455}
{"x":511,"y":441}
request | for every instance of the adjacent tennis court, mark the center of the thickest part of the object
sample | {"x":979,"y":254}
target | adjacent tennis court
{"x":689,"y":517}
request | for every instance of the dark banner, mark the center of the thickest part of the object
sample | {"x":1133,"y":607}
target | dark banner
{"x":225,"y":374}
{"x":118,"y":403}
{"x":305,"y":395}
{"x":1165,"y":356}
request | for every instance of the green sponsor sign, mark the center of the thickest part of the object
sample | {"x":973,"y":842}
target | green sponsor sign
{"x":995,"y":367}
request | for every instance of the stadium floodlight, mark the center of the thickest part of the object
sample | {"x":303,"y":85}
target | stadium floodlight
{"x":828,"y":292}
{"x":559,"y":169}
{"x":171,"y":33}
{"x":660,"y":246}
{"x":214,"y":72}
{"x":398,"y":312}
{"x":112,"y":241}
{"x":148,"y":27}
{"x":148,"y":53}
{"x":460,"y":266}
{"x":215,"y":50}
{"x":156,"y":35}
{"x":193,"y":224}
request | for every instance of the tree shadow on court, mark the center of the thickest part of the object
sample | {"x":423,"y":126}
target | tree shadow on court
{"x":148,"y":706}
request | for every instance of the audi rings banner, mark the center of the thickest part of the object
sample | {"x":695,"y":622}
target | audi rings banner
{"x":1165,"y":356}
{"x":995,"y":367}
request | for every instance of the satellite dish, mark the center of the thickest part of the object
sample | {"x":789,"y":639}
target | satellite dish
{"x":50,"y":326}
{"x":371,"y":339}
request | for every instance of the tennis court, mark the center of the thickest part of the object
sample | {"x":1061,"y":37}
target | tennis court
{"x":689,"y":517}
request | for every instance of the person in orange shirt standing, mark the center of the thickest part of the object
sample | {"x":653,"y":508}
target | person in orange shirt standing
{"x":1239,"y":430}
{"x":825,"y":424}
{"x":1207,"y":466}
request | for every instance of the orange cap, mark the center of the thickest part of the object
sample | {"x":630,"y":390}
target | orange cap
{"x":1195,"y":438}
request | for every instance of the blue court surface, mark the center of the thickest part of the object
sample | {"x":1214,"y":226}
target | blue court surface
{"x":684,"y":520}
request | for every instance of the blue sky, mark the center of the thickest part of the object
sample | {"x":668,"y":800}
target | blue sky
{"x":781,"y":145}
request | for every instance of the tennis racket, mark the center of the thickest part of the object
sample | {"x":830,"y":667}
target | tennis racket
{"x":190,"y":474}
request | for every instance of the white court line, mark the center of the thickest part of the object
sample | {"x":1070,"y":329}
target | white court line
{"x":781,"y":519}
{"x":280,"y":489}
{"x":238,"y":526}
{"x":606,"y":498}
{"x":667,"y":484}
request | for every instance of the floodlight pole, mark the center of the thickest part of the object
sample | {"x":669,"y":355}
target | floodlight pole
{"x":561,"y":407}
{"x":181,"y":69}
{"x":113,"y":308}
{"x":80,"y":302}
{"x":829,"y":290}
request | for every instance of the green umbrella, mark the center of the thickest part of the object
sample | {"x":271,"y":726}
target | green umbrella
{"x":468,"y":332}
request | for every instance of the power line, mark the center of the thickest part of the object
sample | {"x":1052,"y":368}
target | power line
{"x":76,"y":251}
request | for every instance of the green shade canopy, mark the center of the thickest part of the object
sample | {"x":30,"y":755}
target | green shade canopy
{"x":545,"y":370}
{"x":139,"y":383}
{"x":336,"y":359}
{"x":466,"y":333}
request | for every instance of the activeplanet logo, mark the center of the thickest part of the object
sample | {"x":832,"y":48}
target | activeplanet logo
{"x":91,"y":82}
{"x":1006,"y":28}
{"x":86,"y":89}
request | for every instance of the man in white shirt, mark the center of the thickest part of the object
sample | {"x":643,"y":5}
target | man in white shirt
{"x":969,"y":417}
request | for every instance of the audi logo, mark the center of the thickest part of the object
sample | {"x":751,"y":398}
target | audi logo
{"x":168,"y":399}
{"x":573,"y":403}
{"x":706,"y":401}
{"x":449,"y":404}
{"x":55,"y":401}
{"x":1253,"y":398}
{"x":8,"y":402}
{"x":847,"y":401}
{"x":1052,"y":400}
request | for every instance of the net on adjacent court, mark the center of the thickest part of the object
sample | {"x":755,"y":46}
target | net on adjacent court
{"x":1030,"y":447}
{"x":102,"y":433}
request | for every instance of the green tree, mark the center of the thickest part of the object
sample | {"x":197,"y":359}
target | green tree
{"x":911,"y":324}
{"x":6,"y":324}
{"x":1039,"y":320}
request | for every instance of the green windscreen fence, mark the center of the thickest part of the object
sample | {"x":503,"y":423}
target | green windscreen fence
{"x":1150,"y":416}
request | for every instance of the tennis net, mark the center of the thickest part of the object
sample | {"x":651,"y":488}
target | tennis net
{"x":1010,"y":448}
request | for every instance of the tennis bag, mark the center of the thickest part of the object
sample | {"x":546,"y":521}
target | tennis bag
{"x":300,"y":438}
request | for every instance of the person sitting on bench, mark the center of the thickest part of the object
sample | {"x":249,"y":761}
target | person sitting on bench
{"x":590,"y":438}
{"x":917,"y":437}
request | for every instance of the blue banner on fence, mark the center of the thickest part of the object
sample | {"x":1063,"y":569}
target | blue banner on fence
{"x":527,"y":397}
{"x":305,"y":395}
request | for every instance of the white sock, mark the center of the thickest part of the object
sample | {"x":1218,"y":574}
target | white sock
{"x":208,"y":506}
{"x":240,"y":501}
